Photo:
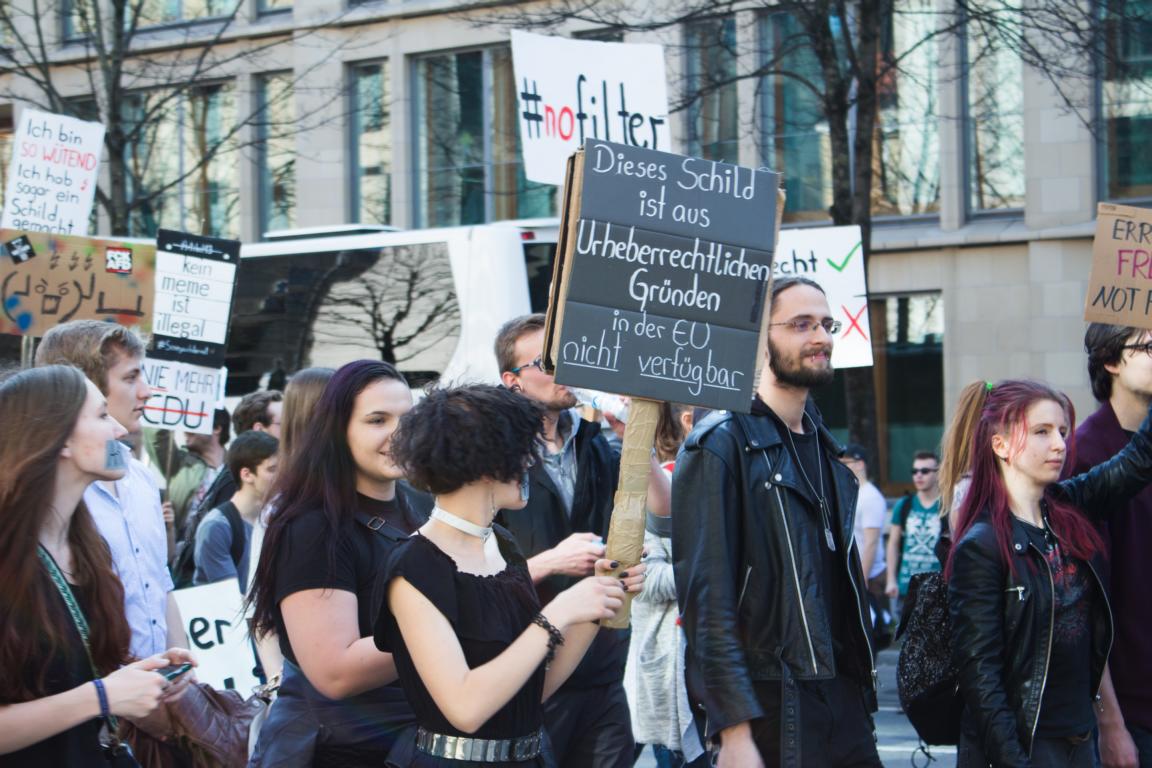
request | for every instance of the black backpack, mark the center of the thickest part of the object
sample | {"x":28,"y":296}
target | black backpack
{"x":184,"y":566}
{"x":926,"y":679}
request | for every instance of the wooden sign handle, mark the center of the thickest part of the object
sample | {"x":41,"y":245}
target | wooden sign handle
{"x":626,"y":534}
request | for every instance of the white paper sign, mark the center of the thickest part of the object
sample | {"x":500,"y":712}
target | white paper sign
{"x":572,"y":90}
{"x":218,"y":635}
{"x":52,"y":177}
{"x":183,"y":396}
{"x":193,"y":297}
{"x":834,"y":258}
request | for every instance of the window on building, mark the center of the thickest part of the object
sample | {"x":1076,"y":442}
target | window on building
{"x":77,"y":16}
{"x":710,"y":66}
{"x":371,"y":144}
{"x":794,"y":140}
{"x":1126,"y":100}
{"x":995,"y":130}
{"x":907,"y":157}
{"x":908,"y":373}
{"x":277,"y":152}
{"x":271,"y":6}
{"x":601,"y":34}
{"x":468,"y":167}
{"x":186,"y":154}
{"x":172,"y":11}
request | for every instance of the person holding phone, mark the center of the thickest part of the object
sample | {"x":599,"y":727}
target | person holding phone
{"x":64,"y":636}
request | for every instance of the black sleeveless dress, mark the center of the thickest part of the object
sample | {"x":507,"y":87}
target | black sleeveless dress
{"x":488,"y":613}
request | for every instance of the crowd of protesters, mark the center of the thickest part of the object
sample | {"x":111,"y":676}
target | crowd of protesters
{"x":425,"y":576}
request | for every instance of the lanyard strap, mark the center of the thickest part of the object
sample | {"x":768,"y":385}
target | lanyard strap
{"x":78,"y":619}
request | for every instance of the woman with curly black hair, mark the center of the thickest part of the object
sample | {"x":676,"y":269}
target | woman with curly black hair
{"x":475,"y":652}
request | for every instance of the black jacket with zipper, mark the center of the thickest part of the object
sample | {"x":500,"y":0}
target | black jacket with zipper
{"x":544,"y":522}
{"x":751,"y":609}
{"x":1002,"y":617}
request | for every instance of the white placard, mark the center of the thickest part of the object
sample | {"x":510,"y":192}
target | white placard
{"x":218,"y":635}
{"x":193,"y":297}
{"x":834,"y":258}
{"x":184,"y":396}
{"x":572,"y":90}
{"x":53,"y":174}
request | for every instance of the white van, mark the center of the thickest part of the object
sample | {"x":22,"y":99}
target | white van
{"x":428,"y":300}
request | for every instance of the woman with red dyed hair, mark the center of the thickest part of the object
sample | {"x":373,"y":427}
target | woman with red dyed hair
{"x":1031,"y":624}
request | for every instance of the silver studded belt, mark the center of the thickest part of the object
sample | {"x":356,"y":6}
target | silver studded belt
{"x":479,"y":750}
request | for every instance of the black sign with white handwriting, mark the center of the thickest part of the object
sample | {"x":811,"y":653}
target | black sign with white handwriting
{"x":667,"y":277}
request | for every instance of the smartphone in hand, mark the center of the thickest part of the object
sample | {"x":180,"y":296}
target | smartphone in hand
{"x":174,"y":671}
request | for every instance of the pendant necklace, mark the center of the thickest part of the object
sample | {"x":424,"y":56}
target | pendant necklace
{"x":464,"y":526}
{"x":825,"y":517}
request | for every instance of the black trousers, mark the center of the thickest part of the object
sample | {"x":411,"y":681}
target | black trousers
{"x":1046,"y":752}
{"x":590,"y":727}
{"x":834,"y":726}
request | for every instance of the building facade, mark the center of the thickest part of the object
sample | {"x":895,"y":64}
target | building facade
{"x":403,"y":112}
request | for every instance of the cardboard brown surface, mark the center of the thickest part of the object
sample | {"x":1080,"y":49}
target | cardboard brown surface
{"x":47,"y":279}
{"x":1120,"y":283}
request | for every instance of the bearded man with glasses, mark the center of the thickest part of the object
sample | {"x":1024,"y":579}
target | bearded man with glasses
{"x":772,"y":595}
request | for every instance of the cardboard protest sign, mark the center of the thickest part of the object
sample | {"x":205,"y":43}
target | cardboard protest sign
{"x":184,"y":396}
{"x":1120,"y":284}
{"x":570,"y":91}
{"x":218,"y":634}
{"x":52,"y":177}
{"x":195,"y":279}
{"x":834,"y":258}
{"x":49,"y":279}
{"x":663,"y":273}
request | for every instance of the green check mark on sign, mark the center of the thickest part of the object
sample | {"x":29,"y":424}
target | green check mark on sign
{"x":842,"y":265}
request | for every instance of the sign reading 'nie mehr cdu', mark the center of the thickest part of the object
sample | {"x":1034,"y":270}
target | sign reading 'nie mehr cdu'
{"x":668,"y":275}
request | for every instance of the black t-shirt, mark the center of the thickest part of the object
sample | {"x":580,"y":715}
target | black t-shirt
{"x":487,"y":613}
{"x":813,"y":463}
{"x":80,"y":745}
{"x":303,"y":560}
{"x":1066,"y":709}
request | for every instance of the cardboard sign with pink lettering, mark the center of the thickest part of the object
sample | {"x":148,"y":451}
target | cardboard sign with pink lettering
{"x":52,"y":175}
{"x":1120,"y":286}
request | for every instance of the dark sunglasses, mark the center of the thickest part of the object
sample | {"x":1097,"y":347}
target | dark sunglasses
{"x":923,"y":470}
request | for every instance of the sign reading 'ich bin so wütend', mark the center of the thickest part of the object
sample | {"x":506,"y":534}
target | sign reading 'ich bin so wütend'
{"x":663,"y":276}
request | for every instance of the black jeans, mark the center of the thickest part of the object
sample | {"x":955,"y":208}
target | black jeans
{"x":834,"y":724}
{"x":590,"y":727}
{"x":1046,"y":752}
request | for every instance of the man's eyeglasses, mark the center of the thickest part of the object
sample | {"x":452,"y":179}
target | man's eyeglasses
{"x":1146,"y":347}
{"x":923,"y":470}
{"x":832,"y":327}
{"x":538,"y":364}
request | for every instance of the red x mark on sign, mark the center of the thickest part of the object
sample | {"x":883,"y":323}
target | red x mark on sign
{"x":854,"y":321}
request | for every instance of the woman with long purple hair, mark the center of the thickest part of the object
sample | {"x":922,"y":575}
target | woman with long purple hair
{"x":1030,"y":617}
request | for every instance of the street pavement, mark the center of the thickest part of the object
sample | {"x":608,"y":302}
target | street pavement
{"x":896,"y":739}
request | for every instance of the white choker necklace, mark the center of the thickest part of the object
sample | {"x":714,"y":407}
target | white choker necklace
{"x":460,"y":524}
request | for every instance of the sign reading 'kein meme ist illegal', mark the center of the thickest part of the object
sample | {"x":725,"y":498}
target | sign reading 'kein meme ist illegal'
{"x":669,"y":260}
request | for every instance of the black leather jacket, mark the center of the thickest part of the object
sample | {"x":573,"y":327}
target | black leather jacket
{"x":1002,"y":620}
{"x":752,"y":610}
